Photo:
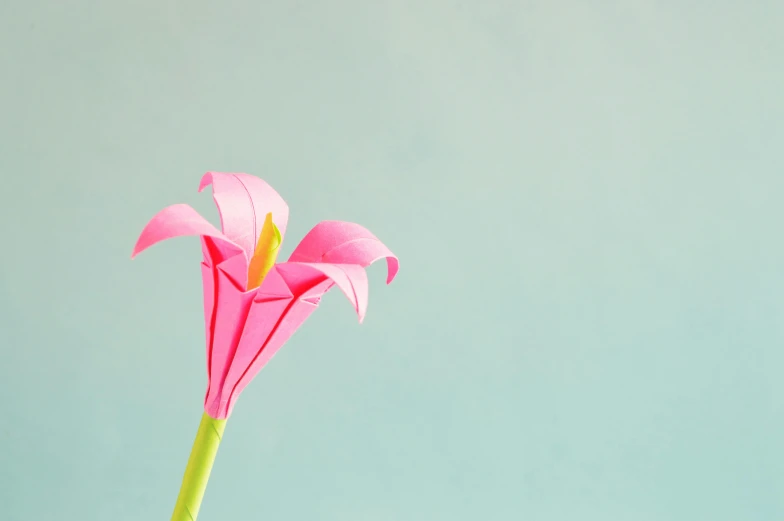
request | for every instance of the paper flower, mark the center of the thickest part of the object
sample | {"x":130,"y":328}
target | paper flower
{"x":252,"y":304}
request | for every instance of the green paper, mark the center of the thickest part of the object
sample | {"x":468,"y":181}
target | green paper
{"x":197,"y":473}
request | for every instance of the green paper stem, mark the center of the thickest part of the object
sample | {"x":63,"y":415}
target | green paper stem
{"x":197,"y":473}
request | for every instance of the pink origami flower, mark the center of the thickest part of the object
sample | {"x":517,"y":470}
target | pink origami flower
{"x":245,"y":327}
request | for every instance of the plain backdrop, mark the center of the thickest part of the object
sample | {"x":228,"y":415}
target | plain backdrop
{"x":586,"y":198}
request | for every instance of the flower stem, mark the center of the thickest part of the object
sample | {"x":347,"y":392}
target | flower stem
{"x":197,"y":473}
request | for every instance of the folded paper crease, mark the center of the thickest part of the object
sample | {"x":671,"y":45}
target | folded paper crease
{"x":244,"y":328}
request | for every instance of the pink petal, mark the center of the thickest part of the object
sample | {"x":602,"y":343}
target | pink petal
{"x":287,"y":297}
{"x":350,"y":278}
{"x":266,"y":320}
{"x":228,"y":314}
{"x":243,"y":201}
{"x":175,"y":221}
{"x":289,"y":294}
{"x":341,"y":242}
{"x":209,"y":286}
{"x":232,"y":263}
{"x":271,"y":304}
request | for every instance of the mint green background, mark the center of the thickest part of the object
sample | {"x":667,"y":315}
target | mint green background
{"x":587,"y":203}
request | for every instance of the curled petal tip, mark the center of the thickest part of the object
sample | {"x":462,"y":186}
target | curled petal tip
{"x":175,"y":221}
{"x":344,"y":243}
{"x":393,"y":266}
{"x":140,"y":246}
{"x":206,"y":180}
{"x":350,"y":278}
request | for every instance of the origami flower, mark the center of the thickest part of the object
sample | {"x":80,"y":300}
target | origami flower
{"x":252,"y":304}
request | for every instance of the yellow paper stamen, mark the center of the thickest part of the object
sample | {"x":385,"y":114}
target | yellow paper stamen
{"x":266,"y":253}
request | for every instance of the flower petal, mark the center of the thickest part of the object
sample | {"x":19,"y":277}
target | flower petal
{"x":289,"y":294}
{"x":350,"y":278}
{"x":243,"y":201}
{"x":228,"y":315}
{"x":176,"y":221}
{"x":286,"y":298}
{"x":270,"y":324}
{"x":341,"y":242}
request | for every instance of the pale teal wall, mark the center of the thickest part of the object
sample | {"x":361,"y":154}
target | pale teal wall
{"x":586,"y":199}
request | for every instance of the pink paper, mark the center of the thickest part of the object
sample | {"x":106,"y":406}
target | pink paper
{"x":244,"y":329}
